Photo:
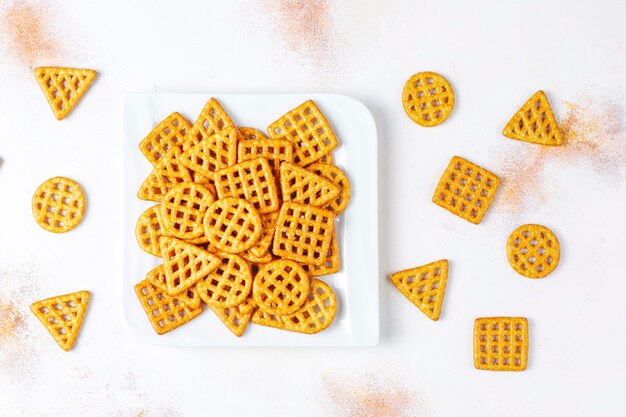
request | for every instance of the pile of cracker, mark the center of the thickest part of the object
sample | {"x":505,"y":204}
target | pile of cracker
{"x":245,"y":222}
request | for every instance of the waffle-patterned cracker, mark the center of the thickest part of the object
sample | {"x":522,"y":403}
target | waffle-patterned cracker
{"x":148,"y":230}
{"x":340,"y":179}
{"x":280,"y":287}
{"x":63,"y":87}
{"x":261,"y":248}
{"x":168,"y":173}
{"x":424,"y":286}
{"x":267,"y":258}
{"x":332,"y":263}
{"x":534,"y":122}
{"x":184,"y":264}
{"x":164,"y":312}
{"x":299,"y":185}
{"x":501,"y":343}
{"x":533,"y":250}
{"x":183,"y":208}
{"x":276,"y":151}
{"x":59,"y":205}
{"x":428,"y":99}
{"x":250,"y":180}
{"x":465,"y":189}
{"x":236,"y":318}
{"x":308,"y":130}
{"x":167,"y":135}
{"x":303,"y":233}
{"x":212,"y":153}
{"x":317,"y":313}
{"x":229,"y":285}
{"x":212,"y":119}
{"x":327,"y":159}
{"x":62,"y":316}
{"x":190,"y":297}
{"x":232,"y":225}
{"x":250,"y":133}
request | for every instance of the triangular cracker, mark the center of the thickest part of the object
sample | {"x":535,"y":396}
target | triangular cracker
{"x":62,"y":316}
{"x":424,"y":286}
{"x":534,"y":122}
{"x":300,"y":185}
{"x":164,"y":312}
{"x":212,"y":119}
{"x":63,"y":87}
{"x":212,"y":153}
{"x":165,"y":175}
{"x":236,"y":318}
{"x":190,"y":297}
{"x":184,"y":264}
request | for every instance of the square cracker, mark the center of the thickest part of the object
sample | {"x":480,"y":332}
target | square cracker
{"x":501,"y":343}
{"x":465,"y":189}
{"x":308,"y":130}
{"x":303,"y":233}
{"x":251,"y":180}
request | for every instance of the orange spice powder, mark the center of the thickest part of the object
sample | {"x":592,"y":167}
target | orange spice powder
{"x":11,"y":320}
{"x":372,"y":395}
{"x":28,"y":33}
{"x":594,"y":132}
{"x":305,"y":26}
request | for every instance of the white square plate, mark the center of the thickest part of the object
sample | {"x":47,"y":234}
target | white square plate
{"x":356,"y":285}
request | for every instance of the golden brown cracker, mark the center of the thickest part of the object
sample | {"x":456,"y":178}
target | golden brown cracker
{"x":62,"y":316}
{"x":424,"y":286}
{"x":229,"y":284}
{"x":167,"y":135}
{"x":166,"y":174}
{"x":148,"y":230}
{"x":299,"y":185}
{"x":164,"y":312}
{"x":261,"y":248}
{"x":250,"y":180}
{"x":340,"y":179}
{"x":59,"y":205}
{"x":332,"y":262}
{"x":212,"y":153}
{"x":280,"y":287}
{"x":211,"y":120}
{"x":534,"y":122}
{"x":232,"y":225}
{"x":308,"y":130}
{"x":303,"y":233}
{"x":251,"y":133}
{"x":533,"y":250}
{"x":428,"y":98}
{"x":315,"y":315}
{"x":185,"y":264}
{"x":236,"y":318}
{"x":465,"y":189}
{"x":63,"y":87}
{"x":183,"y":208}
{"x":501,"y":343}
{"x":190,"y":296}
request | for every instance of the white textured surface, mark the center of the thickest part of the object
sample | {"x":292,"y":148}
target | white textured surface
{"x":495,"y":54}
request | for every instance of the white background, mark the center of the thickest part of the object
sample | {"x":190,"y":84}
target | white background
{"x":495,"y":54}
